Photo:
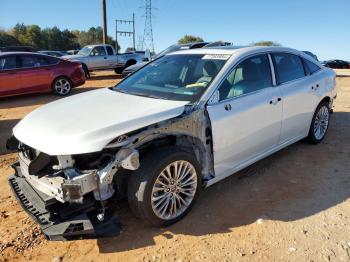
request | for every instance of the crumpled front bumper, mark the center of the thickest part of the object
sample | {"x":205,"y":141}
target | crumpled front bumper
{"x":62,"y":221}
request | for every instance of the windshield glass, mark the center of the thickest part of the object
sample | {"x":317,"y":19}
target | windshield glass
{"x":175,"y":77}
{"x":85,"y":50}
{"x":171,"y":49}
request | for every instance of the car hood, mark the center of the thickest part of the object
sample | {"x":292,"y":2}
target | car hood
{"x":87,"y":122}
{"x":72,"y":57}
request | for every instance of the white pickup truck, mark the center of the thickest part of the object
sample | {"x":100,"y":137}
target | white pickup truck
{"x":102,"y":57}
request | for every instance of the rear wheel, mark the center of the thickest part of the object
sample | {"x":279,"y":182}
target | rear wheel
{"x":165,"y":187}
{"x":320,"y":123}
{"x":62,"y":86}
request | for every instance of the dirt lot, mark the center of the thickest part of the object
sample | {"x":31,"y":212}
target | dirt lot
{"x":292,"y":206}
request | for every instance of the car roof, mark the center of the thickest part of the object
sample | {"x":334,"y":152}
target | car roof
{"x":22,"y":53}
{"x":230,"y":50}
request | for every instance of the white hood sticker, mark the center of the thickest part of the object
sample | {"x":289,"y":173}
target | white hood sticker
{"x":216,"y":57}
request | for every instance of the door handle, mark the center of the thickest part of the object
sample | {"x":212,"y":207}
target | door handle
{"x":314,"y":88}
{"x":105,"y":57}
{"x":12,"y":72}
{"x":228,"y":107}
{"x":274,"y":101}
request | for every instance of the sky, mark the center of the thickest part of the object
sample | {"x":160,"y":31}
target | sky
{"x":319,"y":26}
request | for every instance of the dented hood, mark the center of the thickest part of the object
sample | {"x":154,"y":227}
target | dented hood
{"x":87,"y":122}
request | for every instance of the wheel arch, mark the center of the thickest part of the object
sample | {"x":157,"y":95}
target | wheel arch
{"x":189,"y":143}
{"x":130,"y":62}
{"x":61,"y":75}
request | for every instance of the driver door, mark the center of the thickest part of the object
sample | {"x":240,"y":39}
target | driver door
{"x":98,"y":58}
{"x":246,"y":121}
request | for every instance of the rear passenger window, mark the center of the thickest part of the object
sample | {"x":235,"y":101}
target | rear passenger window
{"x":28,"y":61}
{"x":311,"y":67}
{"x":288,"y":67}
{"x":251,"y":75}
{"x":7,"y":62}
{"x":109,"y":50}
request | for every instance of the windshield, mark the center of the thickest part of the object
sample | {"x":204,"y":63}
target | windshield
{"x":175,"y":77}
{"x":171,"y":49}
{"x":85,"y":50}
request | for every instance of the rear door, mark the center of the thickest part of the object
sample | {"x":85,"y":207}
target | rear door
{"x":9,"y":81}
{"x":34,"y":73}
{"x":299,"y":98}
{"x":246,"y":122}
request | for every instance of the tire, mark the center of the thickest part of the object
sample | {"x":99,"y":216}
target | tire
{"x":142,"y":183}
{"x":62,"y":86}
{"x":86,"y":71}
{"x":320,"y":123}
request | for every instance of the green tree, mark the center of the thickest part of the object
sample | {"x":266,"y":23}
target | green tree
{"x":51,"y":38}
{"x":266,"y":43}
{"x":32,"y":36}
{"x":189,"y":39}
{"x":7,"y":39}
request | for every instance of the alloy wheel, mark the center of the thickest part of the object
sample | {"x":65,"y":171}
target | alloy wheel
{"x":321,"y":122}
{"x":62,"y":86}
{"x":174,"y":190}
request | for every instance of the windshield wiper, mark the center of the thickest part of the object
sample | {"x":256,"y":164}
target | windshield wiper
{"x":147,"y":95}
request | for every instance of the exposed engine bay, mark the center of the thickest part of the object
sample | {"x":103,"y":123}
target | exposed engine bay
{"x":101,"y":177}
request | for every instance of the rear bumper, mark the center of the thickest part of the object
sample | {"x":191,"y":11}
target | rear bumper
{"x":61,"y":221}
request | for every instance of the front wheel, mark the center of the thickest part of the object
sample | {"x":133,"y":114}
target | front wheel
{"x":62,"y":86}
{"x":320,"y":123}
{"x":165,"y":187}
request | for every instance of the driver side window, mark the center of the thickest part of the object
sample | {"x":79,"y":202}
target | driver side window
{"x":251,"y":75}
{"x":98,"y":51}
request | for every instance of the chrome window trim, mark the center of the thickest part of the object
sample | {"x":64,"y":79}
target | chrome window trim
{"x":5,"y":70}
{"x":297,"y":79}
{"x":233,"y":67}
{"x":42,"y":66}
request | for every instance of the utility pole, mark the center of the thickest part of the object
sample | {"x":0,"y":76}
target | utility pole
{"x":148,"y":32}
{"x":104,"y":21}
{"x":125,"y":33}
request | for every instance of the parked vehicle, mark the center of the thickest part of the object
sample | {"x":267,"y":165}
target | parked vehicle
{"x":17,"y":49}
{"x":173,"y":48}
{"x":52,"y":53}
{"x":23,"y":73}
{"x":72,"y":52}
{"x":311,"y":54}
{"x":102,"y":57}
{"x":336,"y":64}
{"x":183,"y":122}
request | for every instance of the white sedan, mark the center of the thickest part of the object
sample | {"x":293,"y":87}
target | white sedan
{"x":181,"y":123}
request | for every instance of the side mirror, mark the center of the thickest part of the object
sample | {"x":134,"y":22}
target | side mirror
{"x":214,"y":98}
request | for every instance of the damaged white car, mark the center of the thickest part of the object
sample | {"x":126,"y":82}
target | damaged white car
{"x":179,"y":124}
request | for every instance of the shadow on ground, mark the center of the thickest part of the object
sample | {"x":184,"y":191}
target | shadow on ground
{"x":104,"y":77}
{"x":297,"y":182}
{"x":36,"y":99}
{"x":6,"y":127}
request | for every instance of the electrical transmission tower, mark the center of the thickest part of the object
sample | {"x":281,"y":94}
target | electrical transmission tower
{"x":147,"y":42}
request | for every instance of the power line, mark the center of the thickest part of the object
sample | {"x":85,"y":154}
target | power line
{"x":147,"y":42}
{"x":124,"y":32}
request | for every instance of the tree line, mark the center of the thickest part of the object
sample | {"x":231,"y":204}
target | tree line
{"x":191,"y":39}
{"x":51,"y":38}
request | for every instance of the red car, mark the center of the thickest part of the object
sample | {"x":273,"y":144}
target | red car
{"x":24,"y":73}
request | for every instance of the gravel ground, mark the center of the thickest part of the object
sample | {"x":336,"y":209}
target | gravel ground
{"x":292,"y":206}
